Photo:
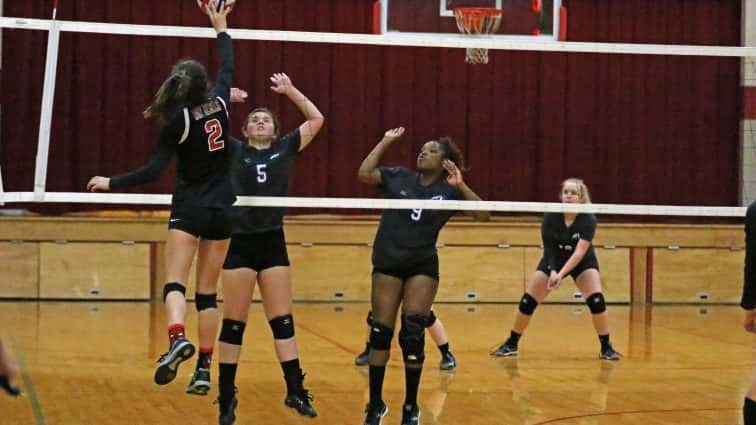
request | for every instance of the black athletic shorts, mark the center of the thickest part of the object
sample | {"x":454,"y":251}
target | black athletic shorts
{"x":257,"y":251}
{"x":426,"y":267}
{"x":585,"y":264}
{"x":202,"y":222}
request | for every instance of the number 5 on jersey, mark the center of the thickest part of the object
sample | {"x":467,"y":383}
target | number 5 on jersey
{"x":262,"y":176}
{"x":214,"y":133}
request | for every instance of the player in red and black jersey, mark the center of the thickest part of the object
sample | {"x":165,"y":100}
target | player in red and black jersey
{"x":195,"y":128}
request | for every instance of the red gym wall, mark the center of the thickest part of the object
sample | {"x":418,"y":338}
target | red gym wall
{"x":638,"y":129}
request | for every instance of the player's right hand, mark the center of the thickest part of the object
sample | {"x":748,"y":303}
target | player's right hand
{"x":393,"y":134}
{"x":98,"y":184}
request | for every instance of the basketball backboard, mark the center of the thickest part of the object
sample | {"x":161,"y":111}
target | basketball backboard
{"x":533,"y":19}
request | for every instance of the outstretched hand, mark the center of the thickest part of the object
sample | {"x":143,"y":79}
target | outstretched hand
{"x":217,"y":18}
{"x":455,"y":175}
{"x":238,"y":95}
{"x":98,"y":184}
{"x":281,"y":83}
{"x":393,"y":134}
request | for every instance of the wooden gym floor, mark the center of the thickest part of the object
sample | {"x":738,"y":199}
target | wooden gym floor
{"x":92,"y":363}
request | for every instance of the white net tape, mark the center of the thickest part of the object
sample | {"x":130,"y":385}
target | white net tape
{"x":448,"y":40}
{"x":373,"y":203}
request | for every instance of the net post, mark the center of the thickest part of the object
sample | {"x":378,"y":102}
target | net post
{"x":377,"y":17}
{"x":45,"y":121}
{"x":560,"y":22}
{"x":2,"y":192}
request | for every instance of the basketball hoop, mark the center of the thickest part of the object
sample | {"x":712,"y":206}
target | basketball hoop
{"x":477,"y":21}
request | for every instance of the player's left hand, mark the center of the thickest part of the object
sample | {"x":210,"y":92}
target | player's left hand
{"x":281,"y":83}
{"x":218,"y":18}
{"x":455,"y":175}
{"x":554,"y":281}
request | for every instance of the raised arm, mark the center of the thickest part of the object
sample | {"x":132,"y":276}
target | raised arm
{"x":369,"y":172}
{"x":455,"y":179}
{"x":314,"y":119}
{"x":226,"y":49}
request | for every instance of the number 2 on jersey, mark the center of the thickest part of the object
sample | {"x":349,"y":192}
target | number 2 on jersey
{"x":214,"y":133}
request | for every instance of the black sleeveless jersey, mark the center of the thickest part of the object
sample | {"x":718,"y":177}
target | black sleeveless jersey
{"x":262,"y":172}
{"x":408,"y":236}
{"x":559,"y":241}
{"x":198,"y":136}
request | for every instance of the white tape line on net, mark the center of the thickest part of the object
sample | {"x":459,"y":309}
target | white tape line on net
{"x":398,"y":39}
{"x":380,"y":204}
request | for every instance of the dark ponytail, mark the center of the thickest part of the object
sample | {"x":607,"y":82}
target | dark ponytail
{"x":186,"y":86}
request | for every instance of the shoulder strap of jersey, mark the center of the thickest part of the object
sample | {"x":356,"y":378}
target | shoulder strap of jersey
{"x":185,"y":134}
{"x":223,"y":102}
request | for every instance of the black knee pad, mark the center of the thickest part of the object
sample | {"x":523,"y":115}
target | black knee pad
{"x":380,"y":336}
{"x":173,"y":286}
{"x":412,"y":338}
{"x":596,"y":303}
{"x":232,"y":332}
{"x":282,"y":326}
{"x":528,"y":304}
{"x":431,"y":319}
{"x":369,"y":318}
{"x":205,"y":301}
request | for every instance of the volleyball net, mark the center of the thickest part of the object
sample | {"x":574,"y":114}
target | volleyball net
{"x":349,"y":51}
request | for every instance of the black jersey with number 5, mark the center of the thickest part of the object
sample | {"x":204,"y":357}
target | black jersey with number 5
{"x":262,"y":172}
{"x":407,"y":236}
{"x":560,"y":240}
{"x":198,"y":136}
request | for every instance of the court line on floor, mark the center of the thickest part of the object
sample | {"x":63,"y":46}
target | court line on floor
{"x":39,"y":418}
{"x":341,"y":346}
{"x":630,"y":412}
{"x":325,"y":338}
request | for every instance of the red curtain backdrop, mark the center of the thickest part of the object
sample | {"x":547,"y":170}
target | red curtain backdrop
{"x":637,"y":128}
